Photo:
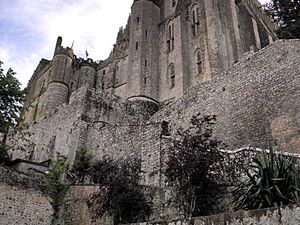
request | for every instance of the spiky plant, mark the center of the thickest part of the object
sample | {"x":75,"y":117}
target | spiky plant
{"x":272,"y":180}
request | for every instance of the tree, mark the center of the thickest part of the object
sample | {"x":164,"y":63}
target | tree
{"x":82,"y":165}
{"x":120,"y":194}
{"x":286,"y":14}
{"x":193,"y":155}
{"x":272,"y":180}
{"x":56,"y":186}
{"x":11,"y":100}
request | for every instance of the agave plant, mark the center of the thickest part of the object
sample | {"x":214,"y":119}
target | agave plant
{"x":272,"y":180}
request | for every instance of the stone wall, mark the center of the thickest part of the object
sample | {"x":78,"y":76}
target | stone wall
{"x":79,"y":125}
{"x":287,"y":216}
{"x":256,"y":101}
{"x":21,"y":200}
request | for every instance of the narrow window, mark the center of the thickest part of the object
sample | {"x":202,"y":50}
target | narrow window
{"x":136,"y":46}
{"x":138,"y":20}
{"x":145,"y":63}
{"x":199,"y":62}
{"x":170,"y":40}
{"x":103,"y":72}
{"x":145,"y":80}
{"x":195,"y":21}
{"x":146,"y":33}
{"x":172,"y":75}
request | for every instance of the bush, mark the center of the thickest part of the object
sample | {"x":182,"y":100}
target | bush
{"x":192,"y":157}
{"x":56,"y":187}
{"x":82,"y":165}
{"x":272,"y":180}
{"x":120,"y":195}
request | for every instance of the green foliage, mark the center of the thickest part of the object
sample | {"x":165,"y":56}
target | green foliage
{"x":56,"y":187}
{"x":272,"y":180}
{"x":11,"y":99}
{"x":286,"y":14}
{"x":192,"y":156}
{"x":82,"y":165}
{"x":120,"y":194}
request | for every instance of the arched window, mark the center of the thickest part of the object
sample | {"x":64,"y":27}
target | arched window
{"x":171,"y":73}
{"x":170,"y":37}
{"x":195,"y":20}
{"x":199,"y":62}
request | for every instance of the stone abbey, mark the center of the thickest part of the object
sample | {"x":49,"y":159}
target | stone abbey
{"x":174,"y":59}
{"x":166,"y":47}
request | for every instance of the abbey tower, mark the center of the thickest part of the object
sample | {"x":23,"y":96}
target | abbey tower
{"x":166,"y":47}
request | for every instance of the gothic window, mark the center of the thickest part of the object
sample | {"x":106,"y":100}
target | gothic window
{"x":170,"y":38}
{"x":195,"y":20}
{"x":199,"y":63}
{"x":172,"y":76}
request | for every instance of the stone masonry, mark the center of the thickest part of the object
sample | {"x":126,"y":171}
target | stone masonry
{"x":166,"y":47}
{"x":22,"y":201}
{"x":173,"y":60}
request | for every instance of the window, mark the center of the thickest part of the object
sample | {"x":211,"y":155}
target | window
{"x":199,"y":62}
{"x":145,"y":63}
{"x":195,"y":20}
{"x":146,"y":33}
{"x":136,"y":46}
{"x":170,"y":40}
{"x":103,"y":72}
{"x":171,"y":73}
{"x":138,"y":20}
{"x":72,"y":85}
{"x":173,"y":3}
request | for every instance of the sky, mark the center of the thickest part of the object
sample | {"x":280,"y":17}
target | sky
{"x":29,"y":29}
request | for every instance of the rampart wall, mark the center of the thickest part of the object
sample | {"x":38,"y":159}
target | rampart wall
{"x":21,"y":200}
{"x":256,"y":101}
{"x":288,"y":216}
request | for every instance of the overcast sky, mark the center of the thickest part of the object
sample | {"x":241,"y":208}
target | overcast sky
{"x":29,"y":29}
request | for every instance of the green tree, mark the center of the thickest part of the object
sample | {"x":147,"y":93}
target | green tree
{"x":272,"y":180}
{"x":56,"y":186}
{"x":82,"y":165}
{"x":286,"y":14}
{"x":11,"y":100}
{"x":120,"y":194}
{"x":192,"y":156}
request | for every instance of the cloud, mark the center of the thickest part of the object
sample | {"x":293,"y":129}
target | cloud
{"x":30,"y":29}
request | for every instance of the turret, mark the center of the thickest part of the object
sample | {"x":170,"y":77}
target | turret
{"x":88,"y":73}
{"x":58,"y":90}
{"x":143,"y":72}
